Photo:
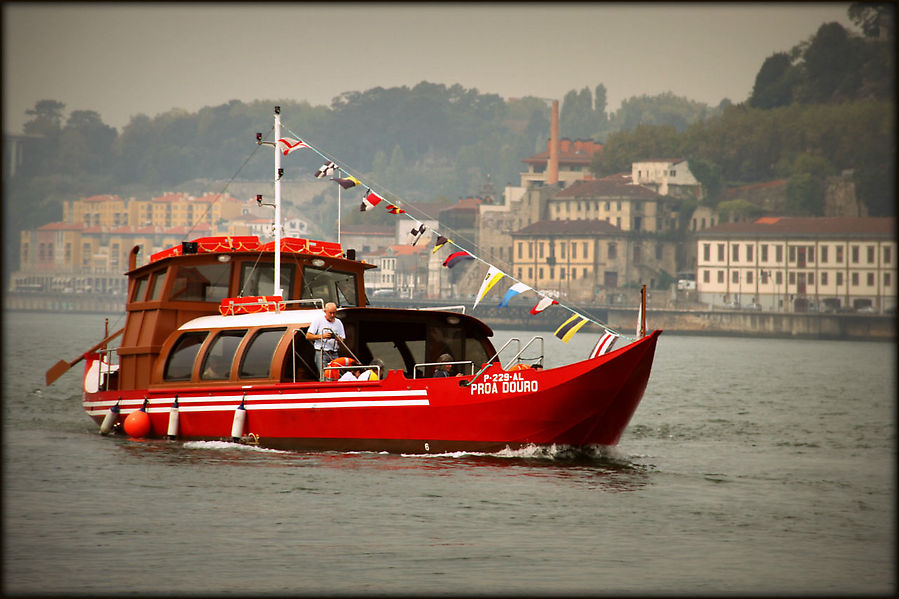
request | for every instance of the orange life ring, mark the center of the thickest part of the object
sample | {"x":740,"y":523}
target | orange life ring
{"x":519,"y":366}
{"x":333,"y":375}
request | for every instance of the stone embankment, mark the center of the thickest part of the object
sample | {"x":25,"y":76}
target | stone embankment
{"x":692,"y":322}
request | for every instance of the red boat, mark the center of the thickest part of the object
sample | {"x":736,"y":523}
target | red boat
{"x":204,"y":303}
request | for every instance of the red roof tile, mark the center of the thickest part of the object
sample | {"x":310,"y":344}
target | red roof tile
{"x":61,"y":226}
{"x":612,"y":187}
{"x":407,"y":250}
{"x":577,"y":152}
{"x":755,"y":186}
{"x":569,"y":227}
{"x":807,"y":227}
{"x":103,"y":198}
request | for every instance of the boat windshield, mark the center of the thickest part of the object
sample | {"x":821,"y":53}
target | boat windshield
{"x":201,"y":283}
{"x":258,"y":278}
{"x":329,"y":285}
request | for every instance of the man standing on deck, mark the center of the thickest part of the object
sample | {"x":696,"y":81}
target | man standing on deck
{"x":324,"y":332}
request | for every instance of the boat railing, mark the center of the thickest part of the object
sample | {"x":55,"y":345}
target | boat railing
{"x":516,"y":359}
{"x":460,"y":308}
{"x":494,"y":357}
{"x":107,"y":367}
{"x":425,"y":364}
{"x":316,"y":302}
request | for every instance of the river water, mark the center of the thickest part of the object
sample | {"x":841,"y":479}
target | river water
{"x":753,"y":466}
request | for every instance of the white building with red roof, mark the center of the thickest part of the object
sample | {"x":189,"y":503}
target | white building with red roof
{"x":799,"y":264}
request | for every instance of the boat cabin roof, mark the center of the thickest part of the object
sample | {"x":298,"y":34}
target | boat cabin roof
{"x":270,"y":347}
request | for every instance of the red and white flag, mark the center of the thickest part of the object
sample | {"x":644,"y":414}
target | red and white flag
{"x":604,"y":345}
{"x":370,"y":200}
{"x":289,"y":144}
{"x":543,"y":304}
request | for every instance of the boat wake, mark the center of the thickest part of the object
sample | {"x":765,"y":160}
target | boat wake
{"x":228,"y":445}
{"x":552,"y":453}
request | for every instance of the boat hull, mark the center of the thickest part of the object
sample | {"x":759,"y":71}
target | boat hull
{"x":581,"y":404}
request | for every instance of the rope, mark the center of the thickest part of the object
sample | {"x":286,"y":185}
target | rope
{"x":463,"y":237}
{"x":222,"y":192}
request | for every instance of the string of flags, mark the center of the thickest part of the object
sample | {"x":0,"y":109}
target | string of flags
{"x":370,"y":199}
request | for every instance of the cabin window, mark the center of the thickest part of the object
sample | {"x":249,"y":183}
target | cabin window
{"x":140,"y":286}
{"x":201,"y":283}
{"x":257,"y":358}
{"x":330,"y":286}
{"x":389,"y":353}
{"x":181,"y":359}
{"x":475,"y":352}
{"x":259,"y":278}
{"x":154,"y":291}
{"x":217,"y":361}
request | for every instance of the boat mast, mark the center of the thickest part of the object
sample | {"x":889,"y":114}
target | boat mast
{"x":278,"y":172}
{"x":339,"y":187}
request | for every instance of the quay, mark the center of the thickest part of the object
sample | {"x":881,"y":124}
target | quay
{"x":809,"y":325}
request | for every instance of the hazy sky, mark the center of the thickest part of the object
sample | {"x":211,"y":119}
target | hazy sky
{"x":124,"y":59}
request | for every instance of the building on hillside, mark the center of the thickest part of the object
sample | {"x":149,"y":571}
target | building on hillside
{"x":799,"y":264}
{"x":497,"y":222}
{"x":616,"y":200}
{"x":767,"y":197}
{"x":89,"y":249}
{"x":667,"y":177}
{"x":436,"y":216}
{"x":401,"y":269}
{"x":574,"y":162}
{"x":165,"y":211}
{"x":71,"y":258}
{"x":589,"y":260}
{"x":366,"y":239}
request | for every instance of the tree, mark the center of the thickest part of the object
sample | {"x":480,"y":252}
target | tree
{"x":805,"y":195}
{"x":774,"y":82}
{"x":663,"y":109}
{"x":600,"y":103}
{"x":737,"y":210}
{"x":576,"y":117}
{"x":46,"y":118}
{"x":709,"y":176}
{"x":625,"y":147}
{"x":86,"y":143}
{"x":832,"y":66}
{"x":870,"y":17}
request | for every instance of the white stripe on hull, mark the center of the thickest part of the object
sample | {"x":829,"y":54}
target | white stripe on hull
{"x":220,"y":403}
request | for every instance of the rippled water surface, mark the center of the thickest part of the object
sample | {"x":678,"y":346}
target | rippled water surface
{"x":752,"y":466}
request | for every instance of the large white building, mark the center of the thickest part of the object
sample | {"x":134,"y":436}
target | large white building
{"x":666,"y":176}
{"x":799,"y":264}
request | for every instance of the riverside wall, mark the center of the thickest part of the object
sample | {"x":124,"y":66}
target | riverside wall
{"x":692,"y":322}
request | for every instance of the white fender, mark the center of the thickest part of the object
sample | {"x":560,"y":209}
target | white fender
{"x":173,"y":420}
{"x":240,"y":417}
{"x":110,"y":420}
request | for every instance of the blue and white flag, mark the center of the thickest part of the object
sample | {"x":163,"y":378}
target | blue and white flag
{"x":512,"y":292}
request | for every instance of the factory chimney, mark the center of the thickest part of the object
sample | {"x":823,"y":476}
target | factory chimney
{"x":552,"y":175}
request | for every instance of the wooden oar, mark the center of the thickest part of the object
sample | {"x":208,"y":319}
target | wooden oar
{"x":61,"y":367}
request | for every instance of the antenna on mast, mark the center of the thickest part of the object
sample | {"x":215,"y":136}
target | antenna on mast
{"x":278,"y":172}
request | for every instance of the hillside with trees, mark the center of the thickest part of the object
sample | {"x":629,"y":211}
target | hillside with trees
{"x":825,"y":108}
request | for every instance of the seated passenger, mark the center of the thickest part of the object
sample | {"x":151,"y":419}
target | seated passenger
{"x":444,"y":369}
{"x":217,"y":367}
{"x":348,"y":375}
{"x":372,"y":374}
